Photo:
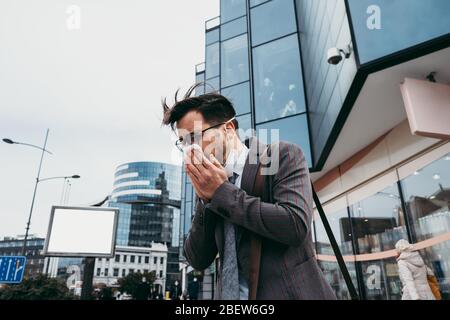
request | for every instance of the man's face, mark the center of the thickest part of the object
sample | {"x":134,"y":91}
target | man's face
{"x":213,"y":141}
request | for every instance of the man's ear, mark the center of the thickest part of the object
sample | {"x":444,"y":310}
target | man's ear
{"x":230,"y":125}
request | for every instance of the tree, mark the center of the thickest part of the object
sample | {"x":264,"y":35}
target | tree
{"x":137,"y":284}
{"x":39,"y":287}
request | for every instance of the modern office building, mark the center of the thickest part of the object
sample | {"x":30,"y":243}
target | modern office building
{"x":148,"y":196}
{"x":133,"y":260}
{"x":12,"y":246}
{"x":363,"y":86}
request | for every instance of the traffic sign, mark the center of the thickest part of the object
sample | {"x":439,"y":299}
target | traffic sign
{"x":12,"y":269}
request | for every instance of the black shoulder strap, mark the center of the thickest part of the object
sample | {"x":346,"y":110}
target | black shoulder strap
{"x":334,"y":245}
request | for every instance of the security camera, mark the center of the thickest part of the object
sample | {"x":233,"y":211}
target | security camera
{"x":335,"y":55}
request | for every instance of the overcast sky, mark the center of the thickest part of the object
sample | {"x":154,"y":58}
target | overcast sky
{"x":97,"y":85}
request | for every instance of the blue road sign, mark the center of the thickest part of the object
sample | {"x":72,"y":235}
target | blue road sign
{"x":12,"y":269}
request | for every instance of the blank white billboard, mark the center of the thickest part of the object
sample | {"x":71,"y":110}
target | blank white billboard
{"x":81,"y":232}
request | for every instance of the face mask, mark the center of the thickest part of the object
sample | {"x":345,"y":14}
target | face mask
{"x":229,"y":164}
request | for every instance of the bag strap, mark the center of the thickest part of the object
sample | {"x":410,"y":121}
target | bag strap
{"x":334,"y":245}
{"x":255,"y":243}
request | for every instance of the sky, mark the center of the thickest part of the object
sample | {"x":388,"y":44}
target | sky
{"x":94,"y":73}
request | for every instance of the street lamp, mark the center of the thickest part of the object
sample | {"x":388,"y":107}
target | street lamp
{"x":9,"y":141}
{"x":75,"y":176}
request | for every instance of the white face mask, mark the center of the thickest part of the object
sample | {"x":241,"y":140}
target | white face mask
{"x":231,"y":159}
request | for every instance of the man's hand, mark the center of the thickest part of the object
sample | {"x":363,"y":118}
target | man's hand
{"x":206,"y":175}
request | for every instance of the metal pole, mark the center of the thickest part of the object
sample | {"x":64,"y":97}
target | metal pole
{"x":69,"y":186}
{"x":63,"y":191}
{"x":88,"y":276}
{"x":34,"y":196}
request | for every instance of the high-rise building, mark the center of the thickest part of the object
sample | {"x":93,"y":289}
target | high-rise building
{"x":363,"y":88}
{"x":148,"y":196}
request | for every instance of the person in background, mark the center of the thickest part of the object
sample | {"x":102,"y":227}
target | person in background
{"x":193,"y":289}
{"x":413,"y":273}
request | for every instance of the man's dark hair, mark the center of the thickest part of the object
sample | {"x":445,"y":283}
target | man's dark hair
{"x":214,"y":108}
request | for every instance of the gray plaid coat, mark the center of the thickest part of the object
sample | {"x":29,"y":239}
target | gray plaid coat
{"x":288,"y":267}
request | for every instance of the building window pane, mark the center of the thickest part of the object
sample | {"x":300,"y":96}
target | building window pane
{"x":117,"y":259}
{"x":189,"y":191}
{"x":233,"y":28}
{"x":212,"y":60}
{"x":278,"y":80}
{"x":132,"y":259}
{"x":281,"y":12}
{"x":234,"y":61}
{"x":427,"y":196}
{"x":212,"y":85}
{"x":212,"y":36}
{"x":378,"y":223}
{"x":404,"y":23}
{"x":115,"y":272}
{"x":200,"y":78}
{"x":427,"y":199}
{"x":146,"y":260}
{"x":245,"y":126}
{"x":292,"y":129}
{"x":256,"y":2}
{"x":331,"y":270}
{"x":231,"y":9}
{"x":239,"y":96}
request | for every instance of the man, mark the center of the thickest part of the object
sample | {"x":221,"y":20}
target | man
{"x":232,"y":220}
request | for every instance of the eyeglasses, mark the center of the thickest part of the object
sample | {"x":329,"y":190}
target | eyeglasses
{"x":196,"y":136}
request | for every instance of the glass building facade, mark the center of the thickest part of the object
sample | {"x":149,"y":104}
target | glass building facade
{"x":410,"y":202}
{"x":269,"y":57}
{"x":148,"y":197}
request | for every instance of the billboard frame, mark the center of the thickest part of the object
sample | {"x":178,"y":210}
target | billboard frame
{"x":46,"y":253}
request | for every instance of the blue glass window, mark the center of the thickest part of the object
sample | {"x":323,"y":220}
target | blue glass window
{"x":212,"y":85}
{"x":281,"y":12}
{"x":199,"y":78}
{"x":239,"y":95}
{"x":233,"y":28}
{"x":245,"y":124}
{"x":292,"y":129}
{"x":212,"y":61}
{"x":212,"y":36}
{"x":231,"y":9}
{"x":234,"y":61}
{"x":256,"y":2}
{"x":278,"y":81}
{"x":384,"y":27}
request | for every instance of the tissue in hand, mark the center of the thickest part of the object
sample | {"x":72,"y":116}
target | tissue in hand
{"x":187,"y":150}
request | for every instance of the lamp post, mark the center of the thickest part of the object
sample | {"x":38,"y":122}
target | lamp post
{"x":75,"y":176}
{"x":9,"y":141}
{"x":66,"y":178}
